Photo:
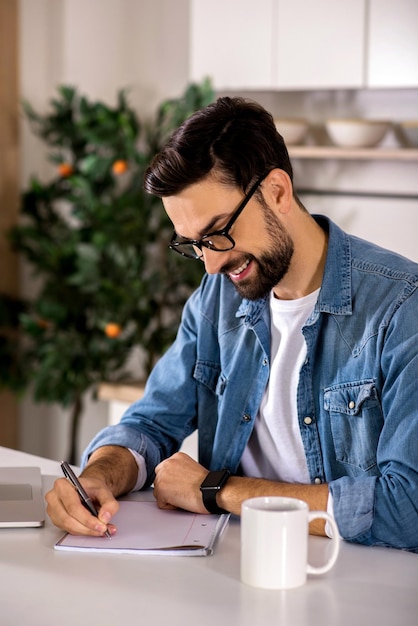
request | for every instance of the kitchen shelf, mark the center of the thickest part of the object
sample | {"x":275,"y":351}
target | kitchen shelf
{"x":121,"y":392}
{"x":334,"y":152}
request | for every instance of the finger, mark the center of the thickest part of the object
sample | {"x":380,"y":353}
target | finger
{"x":166,"y":506}
{"x":66,"y":511}
{"x":106,"y":504}
{"x":162,"y":503}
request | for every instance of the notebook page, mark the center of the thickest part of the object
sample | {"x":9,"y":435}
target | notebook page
{"x":143,"y":527}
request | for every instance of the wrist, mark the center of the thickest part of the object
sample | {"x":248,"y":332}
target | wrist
{"x":113,"y":465}
{"x":232,"y":495}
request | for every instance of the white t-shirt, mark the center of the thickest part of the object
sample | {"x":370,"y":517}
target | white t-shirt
{"x":275,"y":450}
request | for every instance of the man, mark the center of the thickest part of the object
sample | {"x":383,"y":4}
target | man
{"x":296,"y":359}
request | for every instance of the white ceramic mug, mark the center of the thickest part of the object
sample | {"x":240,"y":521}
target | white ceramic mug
{"x":274,"y":542}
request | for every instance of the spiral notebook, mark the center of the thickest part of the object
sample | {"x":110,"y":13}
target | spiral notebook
{"x":143,"y":528}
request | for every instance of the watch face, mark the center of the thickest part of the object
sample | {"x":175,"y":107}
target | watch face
{"x":215,"y":480}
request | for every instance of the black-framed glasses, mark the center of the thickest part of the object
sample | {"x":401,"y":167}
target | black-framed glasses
{"x":219,"y":240}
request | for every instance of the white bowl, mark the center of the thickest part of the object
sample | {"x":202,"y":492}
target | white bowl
{"x":409,"y":132}
{"x":356,"y":133}
{"x":293,"y":130}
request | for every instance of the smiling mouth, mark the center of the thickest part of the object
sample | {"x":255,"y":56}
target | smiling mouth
{"x":239,"y":272}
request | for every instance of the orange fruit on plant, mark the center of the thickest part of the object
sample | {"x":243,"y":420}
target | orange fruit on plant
{"x":65,"y":169}
{"x":112,"y":330}
{"x":119,"y":167}
{"x":43,"y":323}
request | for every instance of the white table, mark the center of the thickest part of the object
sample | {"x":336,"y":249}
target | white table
{"x":42,"y":587}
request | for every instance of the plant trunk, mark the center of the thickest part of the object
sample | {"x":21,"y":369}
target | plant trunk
{"x":75,"y":426}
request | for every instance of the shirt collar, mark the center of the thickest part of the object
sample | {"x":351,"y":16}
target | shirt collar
{"x":335,"y":294}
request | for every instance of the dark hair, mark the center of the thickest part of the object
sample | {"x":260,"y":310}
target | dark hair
{"x":234,"y":137}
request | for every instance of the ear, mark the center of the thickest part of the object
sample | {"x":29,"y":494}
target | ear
{"x":278,"y":190}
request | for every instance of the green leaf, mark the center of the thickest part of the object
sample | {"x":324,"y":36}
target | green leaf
{"x":95,"y":165}
{"x":68,"y":93}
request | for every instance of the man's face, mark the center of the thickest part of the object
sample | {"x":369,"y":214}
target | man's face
{"x":263,"y":248}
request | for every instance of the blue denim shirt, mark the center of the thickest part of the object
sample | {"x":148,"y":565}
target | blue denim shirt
{"x":359,"y":386}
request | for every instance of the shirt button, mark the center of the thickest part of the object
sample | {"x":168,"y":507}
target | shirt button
{"x":265,"y":361}
{"x":351,"y":404}
{"x":307,"y":420}
{"x":247,"y":418}
{"x":317,"y":481}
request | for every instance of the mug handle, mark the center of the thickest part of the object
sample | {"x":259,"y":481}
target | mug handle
{"x":335,"y":542}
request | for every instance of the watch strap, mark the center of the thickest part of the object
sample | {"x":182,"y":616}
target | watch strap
{"x":209,"y":493}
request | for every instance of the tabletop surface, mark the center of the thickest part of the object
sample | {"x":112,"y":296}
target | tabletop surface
{"x":41,"y":587}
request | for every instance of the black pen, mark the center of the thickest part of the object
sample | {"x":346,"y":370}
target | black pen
{"x":85,"y":499}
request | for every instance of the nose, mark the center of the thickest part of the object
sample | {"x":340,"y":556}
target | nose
{"x":213,"y":260}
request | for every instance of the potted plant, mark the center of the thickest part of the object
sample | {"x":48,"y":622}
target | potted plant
{"x":98,"y":245}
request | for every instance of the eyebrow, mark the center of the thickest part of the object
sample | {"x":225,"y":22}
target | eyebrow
{"x":209,"y":226}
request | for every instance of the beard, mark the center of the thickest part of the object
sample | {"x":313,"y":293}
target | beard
{"x":272,"y":265}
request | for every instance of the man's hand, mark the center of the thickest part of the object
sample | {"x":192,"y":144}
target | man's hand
{"x":66,"y":511}
{"x":178,"y":479}
{"x":110,"y":472}
{"x":177,"y":483}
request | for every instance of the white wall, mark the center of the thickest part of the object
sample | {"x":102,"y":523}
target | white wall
{"x":103,"y":45}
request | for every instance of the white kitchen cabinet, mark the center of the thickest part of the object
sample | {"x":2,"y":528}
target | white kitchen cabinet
{"x":304,"y":44}
{"x":231,"y":41}
{"x":393,"y":43}
{"x":320,"y":44}
{"x":278,"y":44}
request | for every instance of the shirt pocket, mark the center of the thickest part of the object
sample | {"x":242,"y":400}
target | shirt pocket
{"x":210,"y":375}
{"x":356,"y":422}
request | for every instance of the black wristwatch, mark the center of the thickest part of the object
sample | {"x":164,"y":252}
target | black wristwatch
{"x":212,"y":484}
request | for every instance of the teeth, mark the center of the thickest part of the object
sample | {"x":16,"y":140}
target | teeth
{"x":241,"y":268}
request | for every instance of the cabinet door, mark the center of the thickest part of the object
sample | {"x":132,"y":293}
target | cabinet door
{"x":320,"y":44}
{"x":393,"y":43}
{"x":231,"y":42}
